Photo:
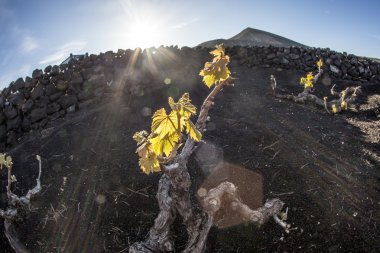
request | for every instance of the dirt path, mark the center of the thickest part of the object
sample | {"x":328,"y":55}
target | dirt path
{"x":96,"y":200}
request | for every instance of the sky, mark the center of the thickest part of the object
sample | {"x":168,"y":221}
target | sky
{"x":38,"y":33}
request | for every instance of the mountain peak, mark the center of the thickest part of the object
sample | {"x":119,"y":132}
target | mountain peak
{"x":254,"y":37}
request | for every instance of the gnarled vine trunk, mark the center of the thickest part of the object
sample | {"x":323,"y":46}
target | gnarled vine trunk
{"x":174,"y":198}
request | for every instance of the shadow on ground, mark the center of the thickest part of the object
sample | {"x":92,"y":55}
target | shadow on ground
{"x":95,"y":199}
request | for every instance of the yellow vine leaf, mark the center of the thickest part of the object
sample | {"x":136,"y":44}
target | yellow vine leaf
{"x":164,"y":145}
{"x":183,"y":106}
{"x":216,"y":71}
{"x":147,"y":158}
{"x":194,"y":133}
{"x":343,"y":105}
{"x":219,"y":51}
{"x":303,"y":80}
{"x":307,"y":81}
{"x":334,"y":108}
{"x":5,"y":160}
{"x":149,"y":164}
{"x":144,"y":149}
{"x":309,"y":77}
{"x":208,"y":79}
{"x":319,"y":64}
{"x":164,"y":124}
{"x":140,"y":137}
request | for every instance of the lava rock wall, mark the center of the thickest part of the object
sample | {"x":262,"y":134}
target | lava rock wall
{"x":31,"y":103}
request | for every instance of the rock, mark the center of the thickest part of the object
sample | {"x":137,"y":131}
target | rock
{"x":94,"y":82}
{"x":26,"y":124}
{"x":2,"y":117}
{"x":55,"y":96}
{"x":67,"y":100}
{"x":50,"y":89}
{"x":73,"y":89}
{"x":295,"y":50}
{"x":64,"y":67}
{"x":276,"y":61}
{"x":284,"y":61}
{"x":37,"y":92}
{"x":27,"y":106}
{"x":14,"y":123}
{"x":344,"y":69}
{"x":294,"y":56}
{"x":10,"y":112}
{"x":55,"y":70}
{"x":42,"y":101}
{"x":326,"y":80}
{"x":18,"y":84}
{"x":55,"y":116}
{"x":16,"y":99}
{"x":43,"y":123}
{"x":3,"y":131}
{"x":62,"y":113}
{"x":121,"y":51}
{"x":83,"y":95}
{"x":361,"y":70}
{"x":12,"y":138}
{"x":37,"y":73}
{"x":271,"y":56}
{"x":61,"y":85}
{"x":76,"y":79}
{"x":6,"y":92}
{"x":354,"y":61}
{"x":353,"y":72}
{"x":86,"y":103}
{"x":38,"y":114}
{"x":373,"y":69}
{"x":67,"y":74}
{"x":71,"y":109}
{"x":99,"y":92}
{"x":47,"y":69}
{"x":29,"y":83}
{"x":242,"y":52}
{"x":45,"y":80}
{"x":86,"y":73}
{"x":334,"y":69}
{"x":337,"y":62}
{"x":52,"y":108}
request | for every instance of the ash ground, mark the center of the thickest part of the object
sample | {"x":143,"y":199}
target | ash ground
{"x":325,"y":167}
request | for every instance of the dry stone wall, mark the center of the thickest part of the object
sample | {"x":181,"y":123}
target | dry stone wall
{"x":29,"y":104}
{"x":339,"y":65}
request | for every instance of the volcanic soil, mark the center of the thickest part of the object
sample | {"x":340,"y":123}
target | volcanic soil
{"x":325,"y":167}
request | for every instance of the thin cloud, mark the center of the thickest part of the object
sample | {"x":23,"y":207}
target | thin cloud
{"x":183,"y":24}
{"x":375,"y":36}
{"x":28,"y":44}
{"x":63,"y":52}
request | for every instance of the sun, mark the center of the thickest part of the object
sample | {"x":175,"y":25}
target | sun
{"x":143,"y":34}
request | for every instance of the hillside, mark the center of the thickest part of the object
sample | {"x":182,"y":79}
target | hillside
{"x":253,"y":37}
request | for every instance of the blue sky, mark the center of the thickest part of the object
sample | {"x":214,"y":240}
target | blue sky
{"x":37,"y":33}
